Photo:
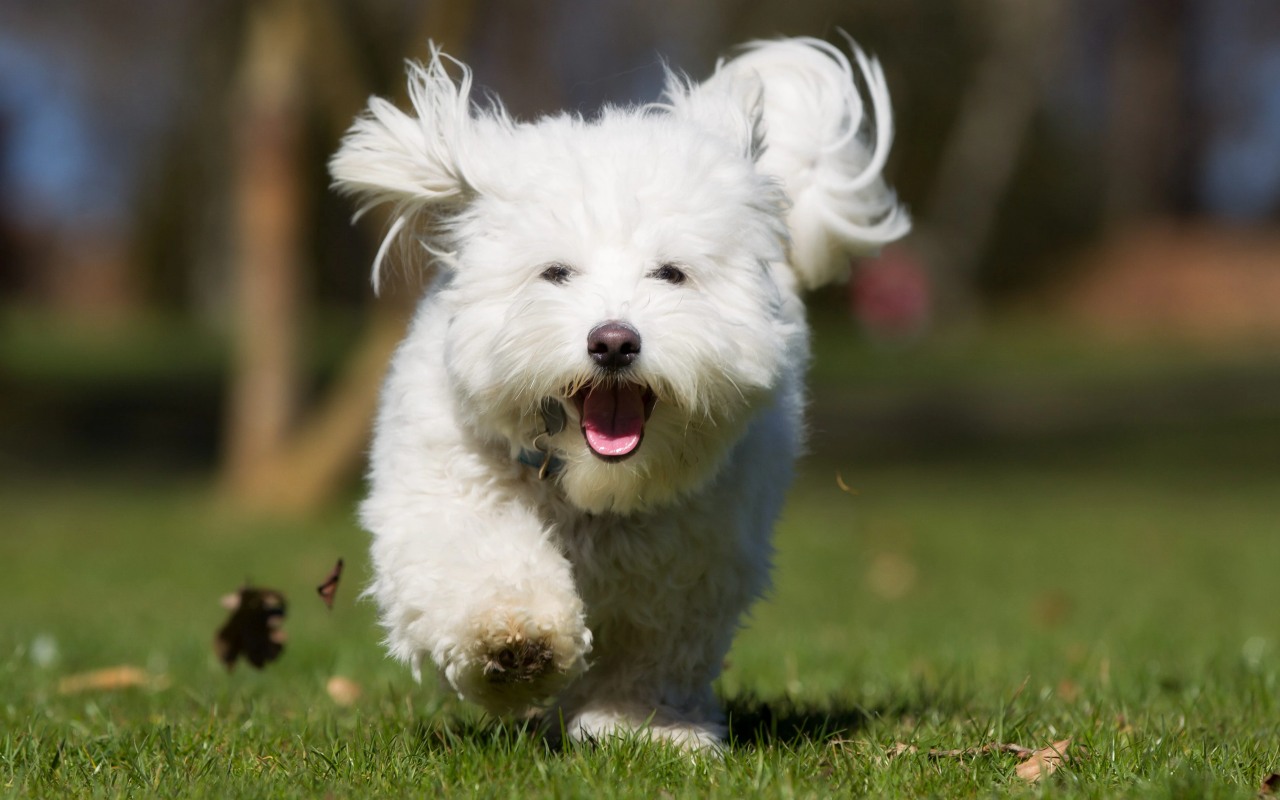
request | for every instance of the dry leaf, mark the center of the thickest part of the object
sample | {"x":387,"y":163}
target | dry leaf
{"x":344,"y":691}
{"x":844,"y":487}
{"x":1044,"y":761}
{"x":329,"y":588}
{"x":901,"y":747}
{"x":1270,"y":785}
{"x":112,"y":679}
{"x":254,"y":628}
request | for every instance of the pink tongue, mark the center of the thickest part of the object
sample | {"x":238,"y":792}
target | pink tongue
{"x":613,"y":419}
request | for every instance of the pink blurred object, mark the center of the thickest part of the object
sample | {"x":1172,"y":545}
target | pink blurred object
{"x":892,"y":295}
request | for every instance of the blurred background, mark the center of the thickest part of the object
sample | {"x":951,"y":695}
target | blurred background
{"x":1045,"y":426}
{"x":1095,"y":183}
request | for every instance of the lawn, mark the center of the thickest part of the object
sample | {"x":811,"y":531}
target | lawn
{"x":1076,"y":564}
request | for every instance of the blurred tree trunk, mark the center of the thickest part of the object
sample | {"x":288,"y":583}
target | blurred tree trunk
{"x":1149,"y":134}
{"x":981,"y":154}
{"x":268,"y":197}
{"x":271,"y":463}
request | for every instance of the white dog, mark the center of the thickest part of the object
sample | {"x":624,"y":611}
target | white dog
{"x":586,"y":436}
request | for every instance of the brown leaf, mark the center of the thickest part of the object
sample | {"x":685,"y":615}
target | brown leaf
{"x":902,"y":747}
{"x":1044,"y":761}
{"x":1270,"y":785}
{"x":111,"y":679}
{"x":329,"y":588}
{"x":343,"y":691}
{"x":254,"y":628}
{"x":844,"y":487}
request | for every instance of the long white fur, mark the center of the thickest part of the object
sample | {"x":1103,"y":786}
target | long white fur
{"x":632,"y":576}
{"x":821,"y":144}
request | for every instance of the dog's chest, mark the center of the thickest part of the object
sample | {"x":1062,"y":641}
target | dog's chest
{"x":619,"y":561}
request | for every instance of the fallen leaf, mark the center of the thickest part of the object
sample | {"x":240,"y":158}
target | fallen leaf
{"x":844,"y":487}
{"x":900,"y":748}
{"x":343,"y":691}
{"x":254,"y":628}
{"x":1270,"y":785}
{"x":111,"y":679}
{"x":1044,"y":761}
{"x":329,"y":588}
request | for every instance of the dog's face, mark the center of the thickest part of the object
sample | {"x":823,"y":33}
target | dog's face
{"x":621,"y":275}
{"x":622,"y":291}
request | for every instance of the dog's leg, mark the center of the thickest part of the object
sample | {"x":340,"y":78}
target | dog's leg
{"x":466,"y":574}
{"x":651,"y":682}
{"x":604,"y":722}
{"x":667,"y":592}
{"x":482,"y":591}
{"x":663,"y":623}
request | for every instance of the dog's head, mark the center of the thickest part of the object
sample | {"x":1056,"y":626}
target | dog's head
{"x":622,"y":291}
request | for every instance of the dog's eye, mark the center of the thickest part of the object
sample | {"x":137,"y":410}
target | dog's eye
{"x":669,"y":273}
{"x":556,"y":273}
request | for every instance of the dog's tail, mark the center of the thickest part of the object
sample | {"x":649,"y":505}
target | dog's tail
{"x":821,"y":139}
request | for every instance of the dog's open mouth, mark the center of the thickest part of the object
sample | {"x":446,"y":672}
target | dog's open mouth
{"x":613,"y":417}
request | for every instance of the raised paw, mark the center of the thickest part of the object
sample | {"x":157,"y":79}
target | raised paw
{"x":520,"y":660}
{"x":513,"y":662}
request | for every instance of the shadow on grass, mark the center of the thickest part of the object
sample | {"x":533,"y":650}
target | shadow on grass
{"x":755,"y":722}
{"x":752,"y":722}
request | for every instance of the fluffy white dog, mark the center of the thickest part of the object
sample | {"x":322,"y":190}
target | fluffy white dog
{"x":585,"y":439}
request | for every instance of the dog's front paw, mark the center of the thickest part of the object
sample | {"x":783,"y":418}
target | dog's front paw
{"x":514,"y":661}
{"x":520,"y":660}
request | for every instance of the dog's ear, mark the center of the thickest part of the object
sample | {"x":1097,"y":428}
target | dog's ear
{"x":418,"y":162}
{"x":809,"y":127}
{"x":733,"y":108}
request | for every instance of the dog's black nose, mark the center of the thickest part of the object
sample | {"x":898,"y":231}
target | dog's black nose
{"x":613,"y":345}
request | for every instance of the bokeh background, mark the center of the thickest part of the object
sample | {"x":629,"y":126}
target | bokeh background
{"x":1091,"y":293}
{"x":180,"y":291}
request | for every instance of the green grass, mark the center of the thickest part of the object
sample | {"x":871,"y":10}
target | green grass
{"x":1113,"y":583}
